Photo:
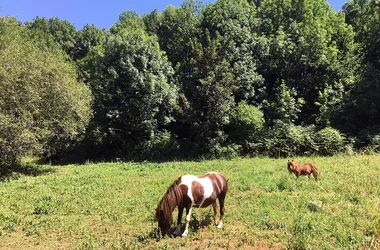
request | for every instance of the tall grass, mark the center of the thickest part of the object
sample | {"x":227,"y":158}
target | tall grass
{"x":111,"y":206}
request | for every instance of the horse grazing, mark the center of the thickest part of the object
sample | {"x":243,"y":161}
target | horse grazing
{"x":190,"y":191}
{"x":305,"y":169}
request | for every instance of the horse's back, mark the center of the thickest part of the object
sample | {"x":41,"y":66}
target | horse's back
{"x":310,"y":166}
{"x":209,"y":184}
{"x":213,"y":175}
{"x":205,"y":179}
{"x":218,"y":180}
{"x":188,"y":179}
{"x":313,"y":166}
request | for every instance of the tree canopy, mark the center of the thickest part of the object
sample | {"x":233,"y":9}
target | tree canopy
{"x":233,"y":77}
{"x":133,"y":87}
{"x":42,"y":105}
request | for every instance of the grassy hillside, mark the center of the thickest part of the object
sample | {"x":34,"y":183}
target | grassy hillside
{"x":111,"y":206}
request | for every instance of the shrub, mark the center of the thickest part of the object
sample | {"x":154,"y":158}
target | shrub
{"x":228,"y":152}
{"x":374,"y":144}
{"x":286,"y":139}
{"x":330,"y":141}
{"x":162,"y":145}
{"x":247,"y":124}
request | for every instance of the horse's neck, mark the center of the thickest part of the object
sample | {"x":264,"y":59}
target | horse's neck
{"x":174,"y":199}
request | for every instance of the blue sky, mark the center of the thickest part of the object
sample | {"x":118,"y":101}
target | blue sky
{"x":81,"y":12}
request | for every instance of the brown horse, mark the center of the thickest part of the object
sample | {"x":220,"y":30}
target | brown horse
{"x":190,"y":191}
{"x":305,"y":169}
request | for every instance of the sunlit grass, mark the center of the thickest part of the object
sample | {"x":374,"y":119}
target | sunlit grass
{"x":111,"y":206}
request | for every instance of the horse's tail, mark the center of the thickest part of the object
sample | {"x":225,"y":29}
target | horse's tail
{"x":314,"y":171}
{"x":226,"y":188}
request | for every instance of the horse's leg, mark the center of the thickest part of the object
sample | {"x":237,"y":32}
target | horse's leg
{"x":178,"y":229}
{"x":221,"y":204}
{"x":214,"y":207}
{"x":188,"y":216}
{"x":298,"y":174}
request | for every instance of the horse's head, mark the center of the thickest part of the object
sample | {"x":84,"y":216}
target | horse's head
{"x":290,"y":165}
{"x":164,"y":221}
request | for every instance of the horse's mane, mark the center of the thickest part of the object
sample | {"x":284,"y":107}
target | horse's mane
{"x":171,"y":198}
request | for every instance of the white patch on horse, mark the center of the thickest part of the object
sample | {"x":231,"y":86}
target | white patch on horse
{"x":187,"y":180}
{"x":206,"y":183}
{"x":188,"y":216}
{"x":220,"y":225}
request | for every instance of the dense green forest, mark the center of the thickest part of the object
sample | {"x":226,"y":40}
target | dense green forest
{"x":230,"y":78}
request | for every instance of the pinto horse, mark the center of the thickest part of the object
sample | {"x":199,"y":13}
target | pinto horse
{"x":190,"y":191}
{"x":305,"y":169}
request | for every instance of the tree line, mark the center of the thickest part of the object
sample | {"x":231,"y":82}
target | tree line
{"x":230,"y":78}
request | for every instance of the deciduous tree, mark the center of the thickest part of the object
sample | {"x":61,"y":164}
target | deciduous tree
{"x":42,"y":105}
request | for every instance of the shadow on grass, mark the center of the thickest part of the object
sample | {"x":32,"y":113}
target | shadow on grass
{"x":152,"y":235}
{"x":25,"y":169}
{"x":194,"y":226}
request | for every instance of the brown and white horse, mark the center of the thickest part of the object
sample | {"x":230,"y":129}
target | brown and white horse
{"x":305,"y":169}
{"x":190,"y":191}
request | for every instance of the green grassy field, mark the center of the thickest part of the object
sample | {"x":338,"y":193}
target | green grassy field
{"x":111,"y":206}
